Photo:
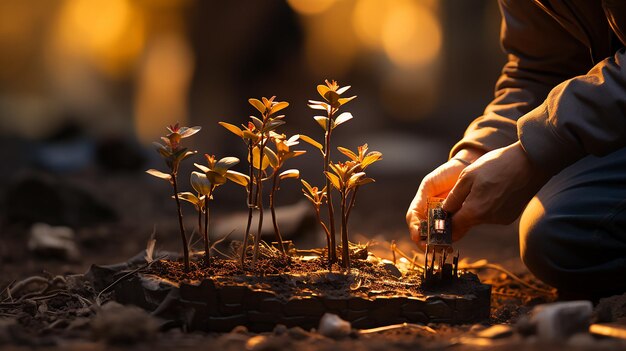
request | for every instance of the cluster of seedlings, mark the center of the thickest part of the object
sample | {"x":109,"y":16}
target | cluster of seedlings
{"x":268,"y":150}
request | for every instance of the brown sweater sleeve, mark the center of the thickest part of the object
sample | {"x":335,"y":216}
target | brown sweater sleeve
{"x":583,"y":115}
{"x":541,"y":54}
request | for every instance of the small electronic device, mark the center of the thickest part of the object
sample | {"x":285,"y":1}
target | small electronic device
{"x":436,"y":232}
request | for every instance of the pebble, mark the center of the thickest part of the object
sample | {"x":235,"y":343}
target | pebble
{"x":119,"y":324}
{"x":560,"y":320}
{"x":332,"y":326}
{"x":56,"y":242}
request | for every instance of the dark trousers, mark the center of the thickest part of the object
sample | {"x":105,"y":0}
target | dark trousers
{"x":573,"y":232}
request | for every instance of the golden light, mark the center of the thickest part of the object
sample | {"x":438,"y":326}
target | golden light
{"x":310,"y":7}
{"x":163,"y":86}
{"x":411,"y":34}
{"x":108,"y":32}
{"x":368,"y":19}
{"x":330,"y":48}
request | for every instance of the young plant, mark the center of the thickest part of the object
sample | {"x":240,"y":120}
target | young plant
{"x":257,"y":134}
{"x":197,"y":200}
{"x":214,"y":174}
{"x":283,"y":153}
{"x":317,"y":198}
{"x":173,"y":153}
{"x":331,"y":94}
{"x":251,"y":138}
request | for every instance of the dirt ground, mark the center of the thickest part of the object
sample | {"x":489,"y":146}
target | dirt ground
{"x":62,"y":313}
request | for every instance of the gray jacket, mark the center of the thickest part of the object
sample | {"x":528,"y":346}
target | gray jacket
{"x":562,"y":92}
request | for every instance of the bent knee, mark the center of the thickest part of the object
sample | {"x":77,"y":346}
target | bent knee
{"x":542,"y":249}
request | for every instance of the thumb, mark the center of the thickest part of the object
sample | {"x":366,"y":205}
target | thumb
{"x":458,"y":194}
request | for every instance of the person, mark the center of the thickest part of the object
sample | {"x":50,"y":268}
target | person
{"x":552,"y":144}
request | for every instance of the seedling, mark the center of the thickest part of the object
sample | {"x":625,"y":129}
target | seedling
{"x":283,"y":153}
{"x":257,"y":135}
{"x":214,"y":175}
{"x":173,"y":153}
{"x":347,"y":177}
{"x":331,"y":93}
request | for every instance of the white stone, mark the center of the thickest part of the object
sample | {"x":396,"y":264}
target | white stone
{"x":333,"y":326}
{"x":560,"y":320}
{"x":53,"y":241}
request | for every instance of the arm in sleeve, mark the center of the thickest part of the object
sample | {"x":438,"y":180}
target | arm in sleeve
{"x":583,"y":115}
{"x":540,"y":54}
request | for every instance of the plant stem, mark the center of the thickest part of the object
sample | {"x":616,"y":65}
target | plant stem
{"x":199,"y":216}
{"x":259,"y":202}
{"x":352,"y":201}
{"x":344,"y":233}
{"x":279,"y":238}
{"x":319,"y":219}
{"x":180,"y":223}
{"x":250,"y":189}
{"x":332,"y":250}
{"x":207,"y":246}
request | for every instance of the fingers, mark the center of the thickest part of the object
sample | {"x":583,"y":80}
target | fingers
{"x":458,"y":194}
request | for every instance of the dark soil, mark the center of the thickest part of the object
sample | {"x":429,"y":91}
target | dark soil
{"x":292,"y":277}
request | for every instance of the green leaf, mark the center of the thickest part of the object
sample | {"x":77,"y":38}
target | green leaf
{"x":257,"y":104}
{"x":279,"y":106}
{"x":200,"y":183}
{"x":224,"y":164}
{"x":186,"y":132}
{"x":290,"y":173}
{"x":310,"y":141}
{"x":238,"y":178}
{"x":344,"y":117}
{"x":322,"y":121}
{"x":334,"y":180}
{"x":159,"y":174}
{"x":232,"y":128}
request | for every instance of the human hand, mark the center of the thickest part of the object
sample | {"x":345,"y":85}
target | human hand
{"x":436,"y":184}
{"x":494,"y":189}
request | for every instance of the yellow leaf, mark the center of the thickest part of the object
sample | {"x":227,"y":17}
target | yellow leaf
{"x":290,"y":173}
{"x":232,"y":128}
{"x":348,"y":153}
{"x":279,"y":106}
{"x":257,"y":104}
{"x":310,"y":141}
{"x":200,"y":183}
{"x":322,"y":121}
{"x":159,"y":174}
{"x":343,"y":101}
{"x":334,"y":180}
{"x":322,"y":90}
{"x":238,"y":178}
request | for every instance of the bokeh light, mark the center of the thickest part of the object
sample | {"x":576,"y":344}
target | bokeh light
{"x":411,"y":34}
{"x":310,"y":7}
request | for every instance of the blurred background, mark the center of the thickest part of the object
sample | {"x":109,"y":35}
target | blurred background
{"x":86,"y":86}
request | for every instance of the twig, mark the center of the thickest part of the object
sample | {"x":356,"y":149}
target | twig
{"x":398,"y":326}
{"x":118,"y":280}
